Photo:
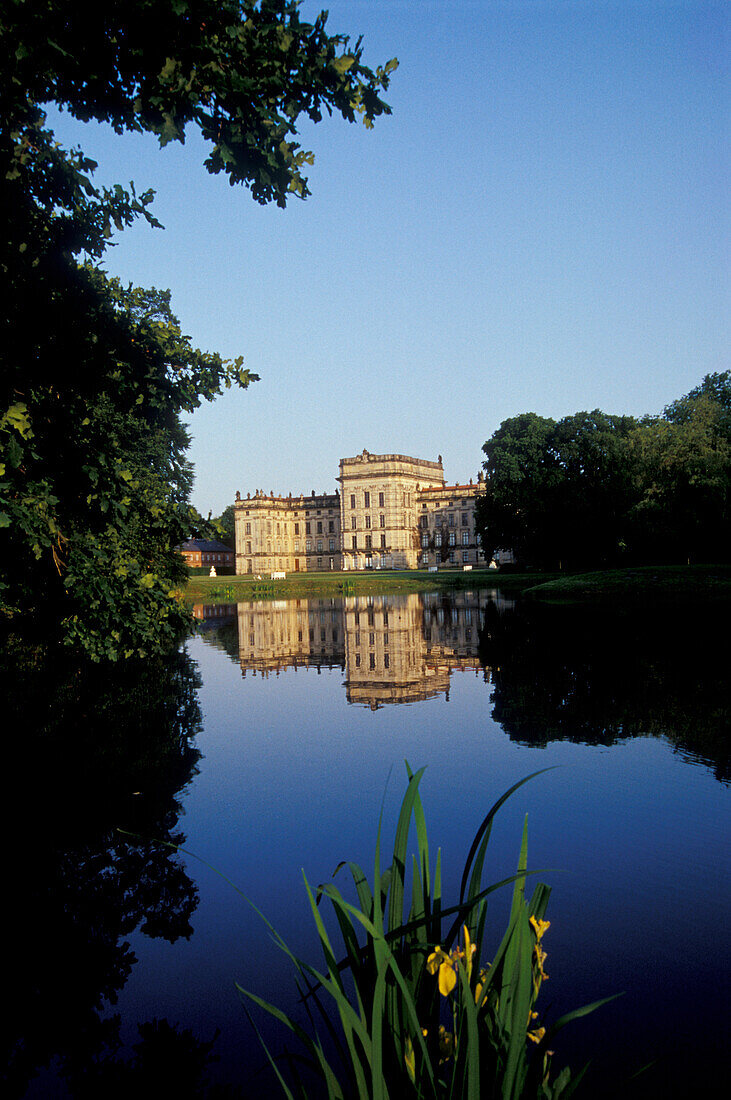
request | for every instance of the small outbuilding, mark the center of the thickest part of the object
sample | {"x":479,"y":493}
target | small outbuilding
{"x":207,"y":553}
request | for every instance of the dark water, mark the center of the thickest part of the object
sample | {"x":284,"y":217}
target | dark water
{"x":265,"y":748}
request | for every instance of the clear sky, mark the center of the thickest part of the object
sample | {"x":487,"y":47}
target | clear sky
{"x":541,"y":225}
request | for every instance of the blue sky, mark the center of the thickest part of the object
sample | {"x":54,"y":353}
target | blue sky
{"x":540,"y":225}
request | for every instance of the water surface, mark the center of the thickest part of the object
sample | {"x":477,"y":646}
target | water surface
{"x":306,"y":710}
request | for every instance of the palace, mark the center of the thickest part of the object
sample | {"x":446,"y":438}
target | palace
{"x":391,"y":512}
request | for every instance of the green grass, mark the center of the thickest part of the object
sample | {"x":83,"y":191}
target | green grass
{"x":303,"y":585}
{"x":647,"y":582}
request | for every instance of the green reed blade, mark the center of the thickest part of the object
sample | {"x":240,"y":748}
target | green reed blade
{"x":398,"y":866}
{"x":577,"y":1013}
{"x":487,"y":824}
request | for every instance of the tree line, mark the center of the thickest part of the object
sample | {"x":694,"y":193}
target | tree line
{"x":595,"y":490}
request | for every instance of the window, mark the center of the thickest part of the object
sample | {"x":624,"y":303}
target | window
{"x":352,"y":522}
{"x":371,"y":617}
{"x":308,"y":546}
{"x":423,"y":521}
{"x":452,"y":538}
{"x":465,"y":521}
{"x":296,"y":528}
{"x":425,"y":557}
{"x":307,"y":528}
{"x":248,"y":528}
{"x":357,"y":638}
{"x":319,"y":546}
{"x":385,"y":639}
{"x":319,"y":566}
{"x":438,"y":538}
{"x":331,"y":546}
{"x":369,"y":542}
{"x":367,"y":497}
{"x":381,"y":520}
{"x":465,"y":538}
{"x":383,"y":542}
{"x":451,"y":556}
{"x":385,"y":618}
{"x":248,"y":548}
{"x":355,"y":542}
{"x":331,"y":525}
{"x":425,"y":539}
{"x":451,"y":519}
{"x":352,"y":500}
{"x":372,"y":639}
{"x":296,"y":546}
{"x":269,"y":546}
{"x":371,"y":660}
{"x":368,"y":521}
{"x":386,"y":661}
{"x":465,"y":555}
{"x":319,"y":526}
{"x":381,"y":500}
{"x":269,"y":527}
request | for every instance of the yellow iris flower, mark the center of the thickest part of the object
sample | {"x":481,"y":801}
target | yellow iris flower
{"x":446,"y":965}
{"x":539,"y":927}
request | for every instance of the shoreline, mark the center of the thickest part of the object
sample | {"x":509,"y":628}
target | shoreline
{"x":664,"y":582}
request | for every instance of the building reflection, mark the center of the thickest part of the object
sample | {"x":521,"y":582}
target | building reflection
{"x":392,"y":649}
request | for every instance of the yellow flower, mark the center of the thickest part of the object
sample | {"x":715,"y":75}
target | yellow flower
{"x":539,"y":927}
{"x":410,"y":1059}
{"x":537,"y":1035}
{"x":480,"y":985}
{"x":446,"y":965}
{"x":540,"y":957}
{"x":469,"y":950}
{"x":446,"y":1043}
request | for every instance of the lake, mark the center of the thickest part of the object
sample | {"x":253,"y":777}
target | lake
{"x":270,"y":743}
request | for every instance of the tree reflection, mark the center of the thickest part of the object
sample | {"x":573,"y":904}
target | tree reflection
{"x":88,"y":750}
{"x":597,"y":676}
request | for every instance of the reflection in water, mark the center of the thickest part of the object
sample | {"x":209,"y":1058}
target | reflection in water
{"x":393,"y":649}
{"x":576,"y":674}
{"x":556,"y":673}
{"x":91,"y":751}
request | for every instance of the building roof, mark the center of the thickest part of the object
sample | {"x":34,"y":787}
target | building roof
{"x":206,"y":546}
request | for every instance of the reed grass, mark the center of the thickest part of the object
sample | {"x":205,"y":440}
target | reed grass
{"x":410,"y":1005}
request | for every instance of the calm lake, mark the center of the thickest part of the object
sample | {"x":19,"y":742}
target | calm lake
{"x":266,"y":745}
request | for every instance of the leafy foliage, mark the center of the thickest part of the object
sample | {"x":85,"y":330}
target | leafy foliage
{"x":593,"y":489}
{"x":96,"y":752}
{"x":94,"y":482}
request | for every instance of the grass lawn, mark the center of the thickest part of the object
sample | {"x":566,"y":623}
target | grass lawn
{"x":371,"y":582}
{"x":647,"y":582}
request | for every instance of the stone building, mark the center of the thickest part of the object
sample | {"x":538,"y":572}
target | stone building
{"x":391,"y":512}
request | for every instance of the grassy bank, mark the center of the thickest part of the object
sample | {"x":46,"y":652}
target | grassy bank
{"x":648,"y":583}
{"x":303,"y":585}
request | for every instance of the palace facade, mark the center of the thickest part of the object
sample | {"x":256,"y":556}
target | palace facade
{"x":390,"y":512}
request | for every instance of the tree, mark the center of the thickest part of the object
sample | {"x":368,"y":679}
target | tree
{"x":684,"y":457}
{"x":520,"y":477}
{"x":94,"y":482}
{"x":226,"y":524}
{"x":594,"y":490}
